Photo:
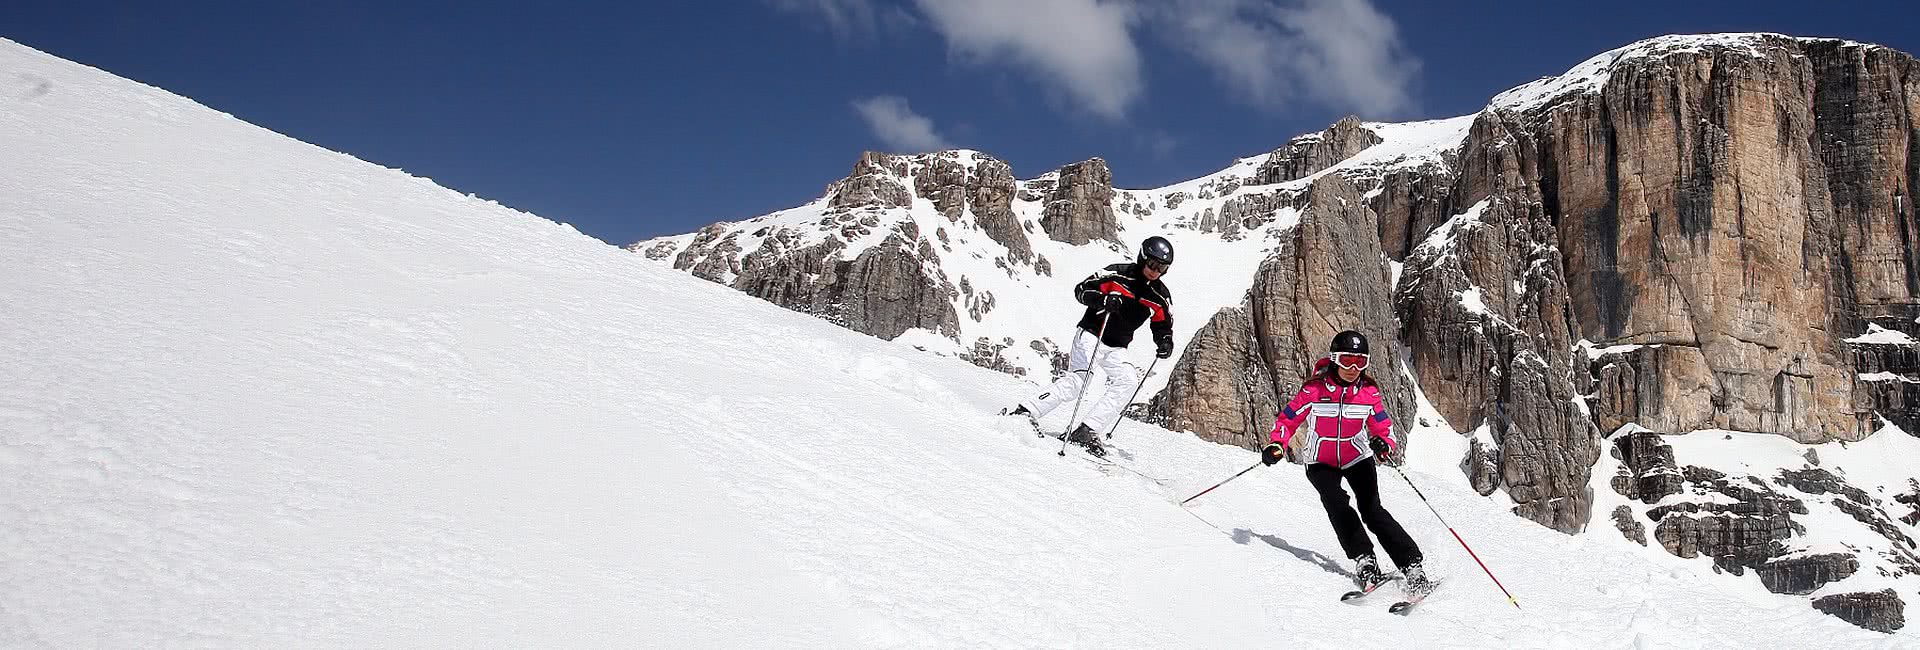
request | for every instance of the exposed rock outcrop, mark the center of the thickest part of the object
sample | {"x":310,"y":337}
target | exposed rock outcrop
{"x":1487,"y":317}
{"x":1648,"y":472}
{"x":1326,"y":275}
{"x":1880,"y":611}
{"x":962,"y":183}
{"x":1629,"y":527}
{"x":873,"y":183}
{"x":1080,"y":205}
{"x":1307,"y":154}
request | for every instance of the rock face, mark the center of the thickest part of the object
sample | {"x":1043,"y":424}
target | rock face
{"x":1238,"y":411}
{"x":1880,"y":611}
{"x":1699,"y":209}
{"x":882,"y":291}
{"x":1888,"y":363}
{"x":1745,"y":534}
{"x":1411,"y":203}
{"x":1487,"y":317}
{"x":986,"y":189}
{"x":1313,"y":152}
{"x":885,"y":289}
{"x":1648,"y":472}
{"x":1715,"y":198}
{"x":1325,"y":276}
{"x":1629,"y":527}
{"x":1080,"y":206}
{"x":873,"y":183}
{"x":1664,"y":386}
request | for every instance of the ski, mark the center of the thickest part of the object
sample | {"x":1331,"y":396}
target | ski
{"x":1362,"y":593}
{"x":1102,"y":463}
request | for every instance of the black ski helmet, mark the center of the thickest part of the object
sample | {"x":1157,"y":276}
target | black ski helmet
{"x":1350,"y":342}
{"x":1156,"y":248}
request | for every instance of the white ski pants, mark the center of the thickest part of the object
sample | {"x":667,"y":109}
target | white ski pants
{"x":1099,"y":411}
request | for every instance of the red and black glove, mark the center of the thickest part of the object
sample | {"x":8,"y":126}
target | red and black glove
{"x":1273,"y":454}
{"x":1380,"y":446}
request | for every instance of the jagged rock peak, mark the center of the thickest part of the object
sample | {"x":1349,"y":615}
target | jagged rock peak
{"x":1313,"y":152}
{"x":957,"y":182}
{"x":1079,"y":208}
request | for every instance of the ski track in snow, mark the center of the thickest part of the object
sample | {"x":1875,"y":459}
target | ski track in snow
{"x":257,"y":393}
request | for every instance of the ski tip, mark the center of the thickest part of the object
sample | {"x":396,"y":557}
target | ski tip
{"x":1401,"y":608}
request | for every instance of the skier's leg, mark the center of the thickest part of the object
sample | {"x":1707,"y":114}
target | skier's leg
{"x":1065,"y":389}
{"x":1364,"y":477}
{"x":1121,"y":376}
{"x":1346,"y":524}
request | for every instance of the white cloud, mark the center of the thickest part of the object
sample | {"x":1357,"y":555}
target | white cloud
{"x":1272,"y":54}
{"x":897,"y":126}
{"x":1339,"y":53}
{"x":1086,"y":47}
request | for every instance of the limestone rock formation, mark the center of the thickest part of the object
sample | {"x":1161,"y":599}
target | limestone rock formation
{"x":1313,"y":152}
{"x":1880,"y":611}
{"x":1326,"y":275}
{"x":1079,"y":207}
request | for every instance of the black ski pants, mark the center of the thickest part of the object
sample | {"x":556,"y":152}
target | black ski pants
{"x":1364,"y":478}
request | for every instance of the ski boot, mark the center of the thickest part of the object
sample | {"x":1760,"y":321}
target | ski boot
{"x":1087,"y":438}
{"x":1415,"y":580}
{"x":1366,"y":573}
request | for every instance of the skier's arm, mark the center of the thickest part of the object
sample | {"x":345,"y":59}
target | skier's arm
{"x":1290,"y":417}
{"x":1162,"y":326}
{"x":1088,"y":291}
{"x":1381,"y":426}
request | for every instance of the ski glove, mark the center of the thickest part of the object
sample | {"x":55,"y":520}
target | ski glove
{"x":1164,"y":348}
{"x":1113,"y":302}
{"x":1273,"y":453}
{"x":1379,"y":445}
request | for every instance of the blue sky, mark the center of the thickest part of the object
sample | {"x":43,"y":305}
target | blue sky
{"x":636,"y":119}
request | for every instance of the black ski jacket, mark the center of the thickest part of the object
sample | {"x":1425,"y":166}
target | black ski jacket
{"x":1149,"y":302}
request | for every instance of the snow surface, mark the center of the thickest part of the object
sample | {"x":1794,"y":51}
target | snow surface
{"x":1594,"y":351}
{"x":1880,"y":335}
{"x":255,"y":393}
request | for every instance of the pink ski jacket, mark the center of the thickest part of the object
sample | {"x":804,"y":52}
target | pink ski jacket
{"x":1338,"y":419}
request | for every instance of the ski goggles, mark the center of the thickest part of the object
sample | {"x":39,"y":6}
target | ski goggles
{"x":1350,"y":361}
{"x":1158,"y":266}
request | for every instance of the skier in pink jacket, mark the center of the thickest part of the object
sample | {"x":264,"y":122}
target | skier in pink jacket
{"x":1346,"y":427}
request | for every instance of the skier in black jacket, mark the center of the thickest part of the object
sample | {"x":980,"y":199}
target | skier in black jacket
{"x":1119,"y":299}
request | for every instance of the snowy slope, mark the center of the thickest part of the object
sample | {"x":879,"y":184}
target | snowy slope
{"x":255,"y":393}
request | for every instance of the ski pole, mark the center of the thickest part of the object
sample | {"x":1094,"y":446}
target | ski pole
{"x":1130,"y":398}
{"x":1093,"y":360}
{"x":1217,"y":485}
{"x":1456,"y":537}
